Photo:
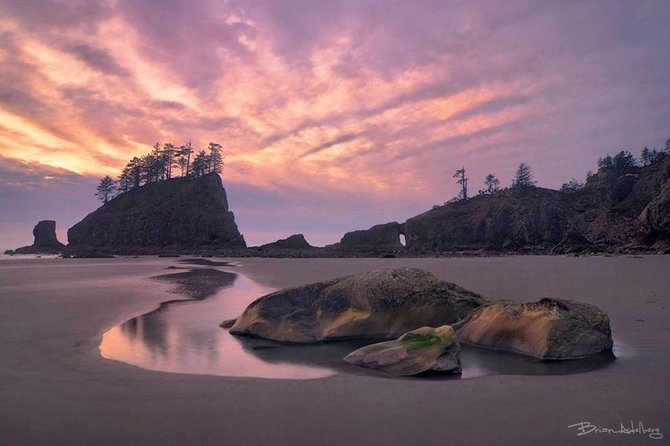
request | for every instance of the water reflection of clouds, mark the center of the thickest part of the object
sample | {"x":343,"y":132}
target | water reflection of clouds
{"x":185,"y":337}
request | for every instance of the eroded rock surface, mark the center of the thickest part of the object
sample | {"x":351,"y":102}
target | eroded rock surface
{"x":378,"y":304}
{"x":546,"y":329}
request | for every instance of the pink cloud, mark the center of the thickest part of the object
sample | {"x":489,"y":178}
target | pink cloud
{"x":362,"y":108}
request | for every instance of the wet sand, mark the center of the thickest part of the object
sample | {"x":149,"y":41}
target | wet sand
{"x":56,"y":389}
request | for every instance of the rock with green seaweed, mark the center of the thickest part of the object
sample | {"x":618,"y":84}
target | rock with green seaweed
{"x":417,"y":352}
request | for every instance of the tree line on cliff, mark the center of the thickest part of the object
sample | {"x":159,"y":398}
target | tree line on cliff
{"x":620,"y":164}
{"x":162,"y":163}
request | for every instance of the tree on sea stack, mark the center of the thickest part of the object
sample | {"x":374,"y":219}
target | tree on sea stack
{"x":169,"y":152}
{"x":106,"y":188}
{"x":185,"y":152}
{"x":523,"y":177}
{"x":200,"y":164}
{"x":215,"y":158}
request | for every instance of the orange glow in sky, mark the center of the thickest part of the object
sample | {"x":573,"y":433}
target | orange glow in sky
{"x":329,"y":102}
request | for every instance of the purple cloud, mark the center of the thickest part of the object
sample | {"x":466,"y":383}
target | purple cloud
{"x":334,"y":115}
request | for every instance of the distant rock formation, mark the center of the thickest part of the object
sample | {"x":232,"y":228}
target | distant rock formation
{"x":378,"y":304}
{"x":546,"y":329}
{"x":384,"y":237}
{"x":176,"y":213}
{"x":294,"y":242}
{"x":425,"y":349}
{"x":45,"y":242}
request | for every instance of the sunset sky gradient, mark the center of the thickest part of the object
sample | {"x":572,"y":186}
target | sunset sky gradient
{"x":334,"y":115}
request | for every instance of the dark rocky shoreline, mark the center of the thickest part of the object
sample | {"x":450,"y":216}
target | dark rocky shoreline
{"x":329,"y":253}
{"x":616,"y":212}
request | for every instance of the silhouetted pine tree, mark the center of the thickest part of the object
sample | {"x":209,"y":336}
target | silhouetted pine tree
{"x":105,"y":190}
{"x":523,"y":177}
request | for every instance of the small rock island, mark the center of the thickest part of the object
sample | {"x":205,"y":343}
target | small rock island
{"x":46,"y":241}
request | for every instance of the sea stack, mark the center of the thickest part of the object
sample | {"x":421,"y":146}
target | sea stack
{"x":180,"y":213}
{"x":45,"y":241}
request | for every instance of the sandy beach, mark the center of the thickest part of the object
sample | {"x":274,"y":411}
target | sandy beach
{"x":56,"y":389}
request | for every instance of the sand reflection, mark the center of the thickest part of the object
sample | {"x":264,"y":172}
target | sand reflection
{"x":185,"y":337}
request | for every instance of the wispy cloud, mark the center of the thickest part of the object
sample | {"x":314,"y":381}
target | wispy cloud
{"x":368,"y":104}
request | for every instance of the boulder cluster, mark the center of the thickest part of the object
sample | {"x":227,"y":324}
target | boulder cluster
{"x":429,"y":318}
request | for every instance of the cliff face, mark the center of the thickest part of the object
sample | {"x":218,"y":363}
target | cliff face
{"x":510,"y":219}
{"x":45,"y":240}
{"x":180,"y":213}
{"x":614,"y":209}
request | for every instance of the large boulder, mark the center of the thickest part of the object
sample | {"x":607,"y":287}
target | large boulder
{"x":45,"y":241}
{"x":379,"y":304}
{"x":423,"y":350}
{"x":177,"y":213}
{"x":546,"y":329}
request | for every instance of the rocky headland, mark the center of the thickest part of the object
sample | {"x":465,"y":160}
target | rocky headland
{"x":616,"y":210}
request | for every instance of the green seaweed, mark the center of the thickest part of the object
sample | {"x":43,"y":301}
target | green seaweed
{"x":416,"y":340}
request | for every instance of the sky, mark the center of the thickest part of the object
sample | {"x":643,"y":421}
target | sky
{"x":334,"y":115}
